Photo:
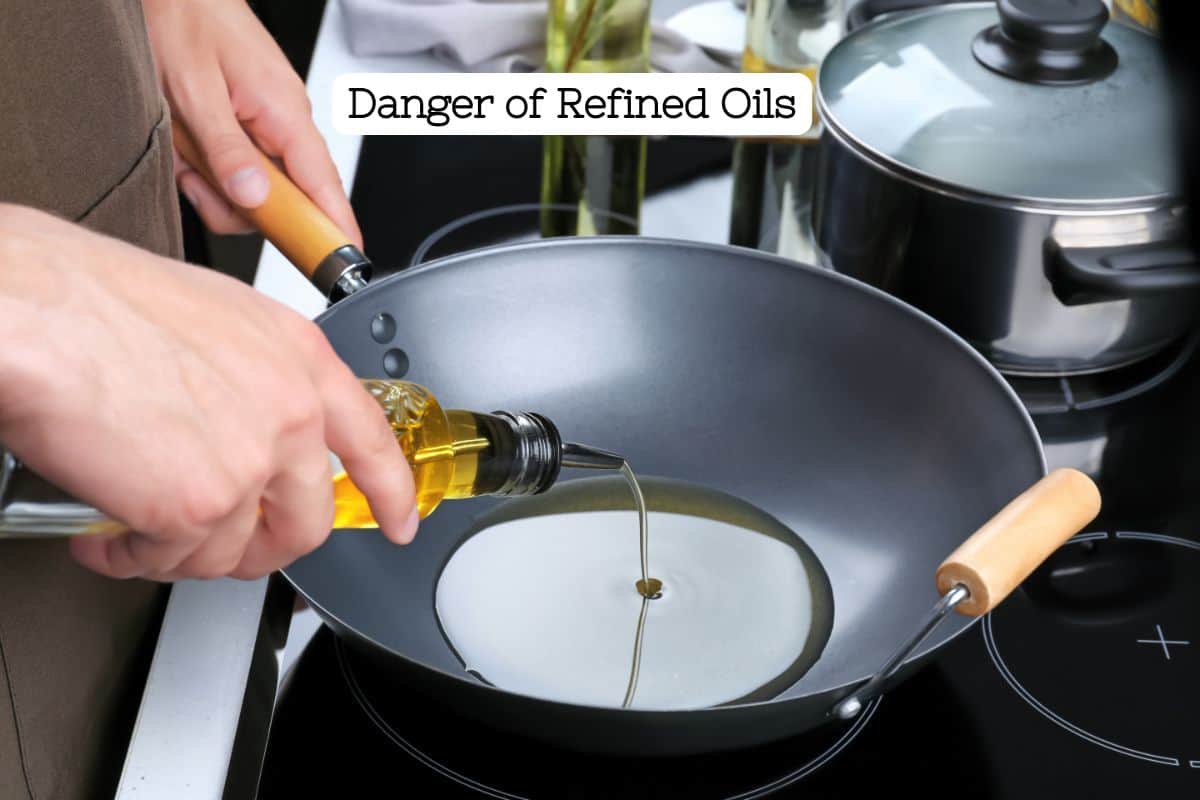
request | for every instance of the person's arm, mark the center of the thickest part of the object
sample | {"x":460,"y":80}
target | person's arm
{"x":231,"y":87}
{"x":182,"y":403}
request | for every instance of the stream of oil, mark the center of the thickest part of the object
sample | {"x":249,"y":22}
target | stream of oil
{"x":649,"y":588}
{"x":537,"y":599}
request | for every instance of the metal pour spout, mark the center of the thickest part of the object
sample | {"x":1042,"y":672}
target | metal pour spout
{"x":580,"y":456}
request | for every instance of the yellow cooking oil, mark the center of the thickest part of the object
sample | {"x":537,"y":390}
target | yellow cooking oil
{"x":457,"y":454}
{"x":753,"y":62}
{"x":444,"y":448}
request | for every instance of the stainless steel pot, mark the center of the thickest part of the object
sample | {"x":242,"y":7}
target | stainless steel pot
{"x":1034,"y":212}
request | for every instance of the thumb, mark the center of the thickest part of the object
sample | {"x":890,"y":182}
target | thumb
{"x":233,"y":159}
{"x":236,"y":164}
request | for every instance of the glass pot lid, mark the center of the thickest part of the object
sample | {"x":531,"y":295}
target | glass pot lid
{"x":1036,"y":102}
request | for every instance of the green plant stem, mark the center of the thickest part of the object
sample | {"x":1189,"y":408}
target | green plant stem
{"x":577,"y":43}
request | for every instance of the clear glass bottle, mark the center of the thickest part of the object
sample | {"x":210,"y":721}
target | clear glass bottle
{"x":773,"y":179}
{"x":453,"y":454}
{"x":602,"y":173}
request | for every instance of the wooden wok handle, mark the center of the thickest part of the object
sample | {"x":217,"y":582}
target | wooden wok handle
{"x":1011,"y":545}
{"x":290,"y":220}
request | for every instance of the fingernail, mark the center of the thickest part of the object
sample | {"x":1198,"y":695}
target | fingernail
{"x":248,"y":187}
{"x":410,"y":525}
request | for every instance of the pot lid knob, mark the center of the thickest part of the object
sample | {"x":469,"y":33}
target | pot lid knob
{"x":1051,"y":42}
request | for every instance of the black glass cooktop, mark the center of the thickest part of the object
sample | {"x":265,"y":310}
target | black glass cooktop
{"x":1084,"y":684}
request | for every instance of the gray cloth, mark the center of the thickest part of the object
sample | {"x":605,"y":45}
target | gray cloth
{"x":487,"y":35}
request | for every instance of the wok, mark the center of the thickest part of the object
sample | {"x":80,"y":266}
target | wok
{"x":866,"y":427}
{"x":861,"y":424}
{"x":876,"y":435}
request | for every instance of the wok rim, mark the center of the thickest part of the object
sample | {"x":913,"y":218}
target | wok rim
{"x":925,"y":650}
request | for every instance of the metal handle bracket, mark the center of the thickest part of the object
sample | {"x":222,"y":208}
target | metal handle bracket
{"x":851,"y":705}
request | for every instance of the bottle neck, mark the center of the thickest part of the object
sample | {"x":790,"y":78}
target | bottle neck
{"x":526,"y":454}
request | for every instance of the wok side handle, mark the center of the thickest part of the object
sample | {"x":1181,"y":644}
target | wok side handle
{"x":986,"y":568}
{"x":1012,"y":544}
{"x":292,"y":222}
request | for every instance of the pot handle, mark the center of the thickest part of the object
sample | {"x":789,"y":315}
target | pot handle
{"x":986,"y":568}
{"x":1081,"y":275}
{"x":291,"y":221}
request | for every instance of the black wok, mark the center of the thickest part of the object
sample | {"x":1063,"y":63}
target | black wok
{"x":863,"y":425}
{"x":877,"y":435}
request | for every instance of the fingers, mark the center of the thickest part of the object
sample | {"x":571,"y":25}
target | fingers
{"x":286,"y":130}
{"x":292,"y":518}
{"x":297,"y":515}
{"x":222,"y":548}
{"x":94,"y":553}
{"x":357,"y":430}
{"x":281,"y":126}
{"x":130,"y":555}
{"x":217,"y":214}
{"x":235,"y":162}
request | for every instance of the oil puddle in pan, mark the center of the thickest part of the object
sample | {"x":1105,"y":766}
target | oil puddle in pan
{"x":540,"y":599}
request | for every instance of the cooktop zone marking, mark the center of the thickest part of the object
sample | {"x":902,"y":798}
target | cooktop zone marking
{"x":1163,"y":641}
{"x":364,"y":703}
{"x":993,"y":651}
{"x":1011,"y":680}
{"x":1158,"y":537}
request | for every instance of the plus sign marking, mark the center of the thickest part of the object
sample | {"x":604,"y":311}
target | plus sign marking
{"x":1163,"y":642}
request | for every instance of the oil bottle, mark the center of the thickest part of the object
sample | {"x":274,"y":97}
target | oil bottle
{"x":773,"y":179}
{"x":456,"y":454}
{"x":594,"y":184}
{"x":453,"y":454}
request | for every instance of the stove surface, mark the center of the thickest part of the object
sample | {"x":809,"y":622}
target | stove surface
{"x":1083,"y":684}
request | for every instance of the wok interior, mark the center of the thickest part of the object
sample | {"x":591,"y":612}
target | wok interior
{"x":871,"y":432}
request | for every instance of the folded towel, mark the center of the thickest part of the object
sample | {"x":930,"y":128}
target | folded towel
{"x":487,"y":35}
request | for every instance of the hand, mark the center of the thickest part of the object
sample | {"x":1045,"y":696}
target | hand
{"x":183,"y":403}
{"x":227,"y":82}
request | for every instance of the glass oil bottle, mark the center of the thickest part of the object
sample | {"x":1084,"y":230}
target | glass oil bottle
{"x":773,"y":178}
{"x":582,"y":175}
{"x":456,"y":454}
{"x":453,"y":454}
